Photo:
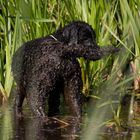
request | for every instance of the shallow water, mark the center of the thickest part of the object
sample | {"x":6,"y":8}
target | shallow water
{"x":56,"y":128}
{"x":31,"y":128}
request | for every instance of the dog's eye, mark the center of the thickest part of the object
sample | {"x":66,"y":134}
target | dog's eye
{"x":84,"y":37}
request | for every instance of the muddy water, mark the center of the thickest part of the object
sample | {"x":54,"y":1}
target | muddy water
{"x":56,"y":128}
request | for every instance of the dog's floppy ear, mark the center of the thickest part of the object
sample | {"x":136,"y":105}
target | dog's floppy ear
{"x":70,"y":35}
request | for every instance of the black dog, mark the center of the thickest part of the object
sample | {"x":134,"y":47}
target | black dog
{"x":48,"y":66}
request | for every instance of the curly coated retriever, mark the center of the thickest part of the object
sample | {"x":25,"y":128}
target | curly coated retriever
{"x":46,"y":67}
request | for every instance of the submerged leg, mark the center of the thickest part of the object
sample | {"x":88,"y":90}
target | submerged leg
{"x":72,"y":89}
{"x":20,"y":95}
{"x":36,"y":100}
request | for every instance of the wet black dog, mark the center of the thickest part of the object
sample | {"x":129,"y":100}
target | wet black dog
{"x":48,"y":66}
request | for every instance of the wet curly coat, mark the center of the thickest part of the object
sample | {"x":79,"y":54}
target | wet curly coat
{"x":48,"y":66}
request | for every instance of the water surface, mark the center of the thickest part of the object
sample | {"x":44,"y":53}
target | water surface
{"x":62,"y":127}
{"x":33,"y":128}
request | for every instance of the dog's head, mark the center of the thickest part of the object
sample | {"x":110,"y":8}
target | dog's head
{"x":81,"y":35}
{"x":77,"y":32}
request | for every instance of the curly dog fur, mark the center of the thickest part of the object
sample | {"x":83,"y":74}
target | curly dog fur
{"x":48,"y":66}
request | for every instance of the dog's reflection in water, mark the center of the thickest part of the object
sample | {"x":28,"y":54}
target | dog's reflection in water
{"x":40,"y":129}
